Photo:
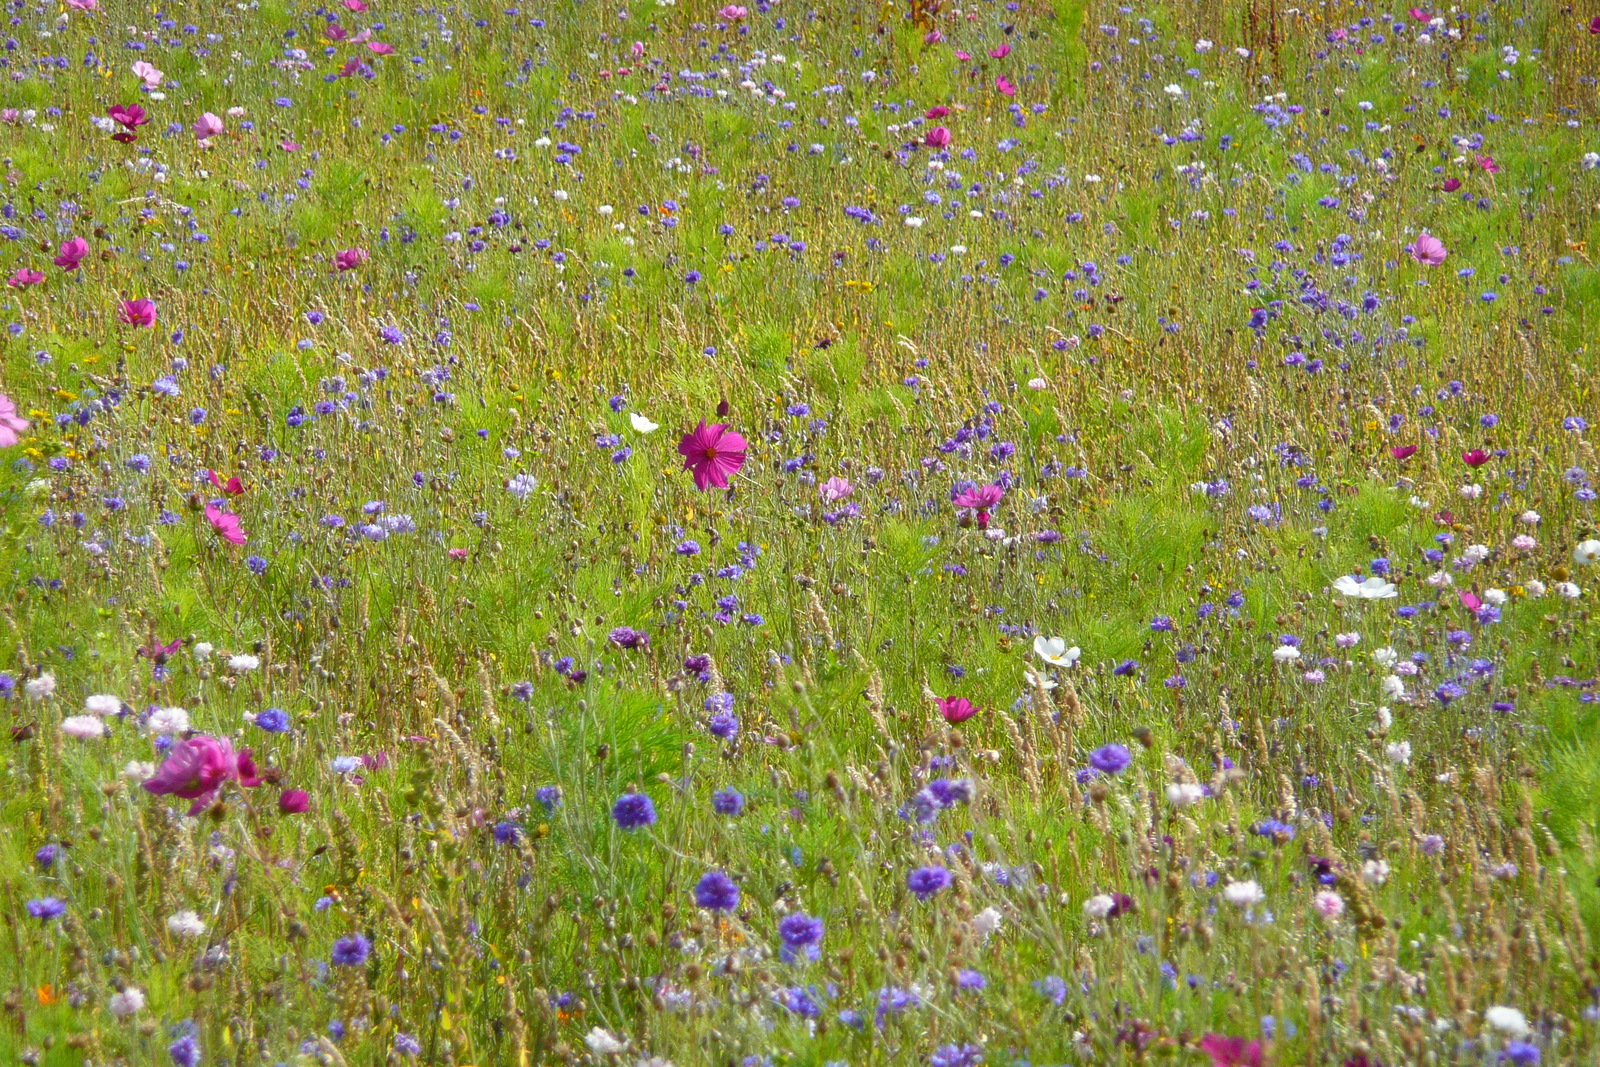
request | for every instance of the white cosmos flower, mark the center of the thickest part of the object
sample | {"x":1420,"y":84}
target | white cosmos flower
{"x":1174,"y":90}
{"x":642,"y":424}
{"x":185,"y":924}
{"x":1374,"y":588}
{"x":1586,"y":553}
{"x":1036,"y":680}
{"x":1243,"y":894}
{"x":1054,"y":651}
{"x":1471,"y":492}
{"x":1202,"y":46}
{"x":102,"y":704}
{"x":1508,"y":1021}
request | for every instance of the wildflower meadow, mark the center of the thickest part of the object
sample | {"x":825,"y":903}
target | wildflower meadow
{"x":805,"y":533}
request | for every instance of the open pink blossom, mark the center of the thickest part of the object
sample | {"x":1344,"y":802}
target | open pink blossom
{"x":148,"y":73}
{"x":835,"y":489}
{"x":140,"y":312}
{"x":84,"y":5}
{"x":226,"y":523}
{"x":955,"y":709}
{"x":1418,"y":14}
{"x":1427,"y":250}
{"x":355,"y":5}
{"x":12,"y":427}
{"x":1231,"y":1051}
{"x":208,"y":126}
{"x":24,"y":278}
{"x":380,"y":48}
{"x":713,"y":453}
{"x":1000,"y":52}
{"x":350,"y":258}
{"x":1005,"y":86}
{"x":1488,"y":164}
{"x":938,"y":137}
{"x":73,"y":251}
{"x":195,"y":769}
{"x":128,"y":115}
{"x":937,"y":111}
{"x":233,"y":486}
{"x":733,"y":12}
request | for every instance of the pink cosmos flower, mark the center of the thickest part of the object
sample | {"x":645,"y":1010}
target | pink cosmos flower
{"x":73,"y":250}
{"x":130,"y":115}
{"x":24,"y":278}
{"x":1476,"y":457}
{"x":1403,"y":451}
{"x":84,"y":5}
{"x":1231,"y":1051}
{"x":1451,"y":184}
{"x":955,"y":709}
{"x":355,"y":5}
{"x":1418,"y":14}
{"x":637,"y":49}
{"x":1004,"y":85}
{"x":733,"y":12}
{"x":1001,"y":52}
{"x":458,"y":553}
{"x":1488,"y":164}
{"x":207,"y":126}
{"x":232,"y":487}
{"x":335,"y":32}
{"x":148,"y":74}
{"x":293,"y":802}
{"x":1471,"y":601}
{"x":938,"y":137}
{"x":1427,"y":250}
{"x":932,"y":37}
{"x":712,"y":453}
{"x":12,"y":427}
{"x":289,"y":146}
{"x":226,"y":523}
{"x":140,"y":312}
{"x":981,"y":498}
{"x":938,"y":111}
{"x":380,"y":48}
{"x":963,"y":56}
{"x":350,"y":258}
{"x":835,"y":489}
{"x":1594,"y":24}
{"x":195,"y":769}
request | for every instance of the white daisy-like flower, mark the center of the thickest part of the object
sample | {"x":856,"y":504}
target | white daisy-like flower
{"x":1374,"y":588}
{"x":1054,"y":651}
{"x":642,"y":424}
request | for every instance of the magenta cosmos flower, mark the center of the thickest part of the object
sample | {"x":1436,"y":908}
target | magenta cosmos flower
{"x":73,"y":252}
{"x":24,"y":277}
{"x":350,"y":258}
{"x":1428,"y":250}
{"x":226,"y":523}
{"x":195,"y":769}
{"x":938,"y":137}
{"x":712,"y":453}
{"x":12,"y":427}
{"x":140,"y":312}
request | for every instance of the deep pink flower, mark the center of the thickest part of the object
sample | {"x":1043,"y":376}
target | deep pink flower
{"x":11,"y":426}
{"x":380,"y":48}
{"x":938,"y":137}
{"x":73,"y":250}
{"x":1471,"y":601}
{"x":956,"y":709}
{"x":1418,"y":14}
{"x":712,"y":453}
{"x":226,"y":523}
{"x":1403,"y":451}
{"x":233,"y":486}
{"x":130,"y":115}
{"x":1231,"y":1051}
{"x":1594,"y":24}
{"x":140,"y":312}
{"x":1001,"y":52}
{"x":932,"y":37}
{"x":207,"y":126}
{"x":733,"y":12}
{"x":981,"y":498}
{"x":335,"y":32}
{"x":1451,"y":184}
{"x":350,"y":258}
{"x":355,"y":5}
{"x":963,"y":56}
{"x":293,"y":802}
{"x":1004,"y":85}
{"x":1476,"y":457}
{"x":195,"y":769}
{"x":938,"y":111}
{"x":1488,"y":164}
{"x":1428,"y":250}
{"x":24,"y":278}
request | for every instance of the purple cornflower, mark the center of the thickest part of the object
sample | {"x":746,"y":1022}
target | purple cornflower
{"x":801,"y":936}
{"x":925,"y":882}
{"x":628,"y":637}
{"x":716,"y":892}
{"x":727,"y":802}
{"x":351,"y":951}
{"x":1110,"y":759}
{"x":46,"y":908}
{"x":633,"y":810}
